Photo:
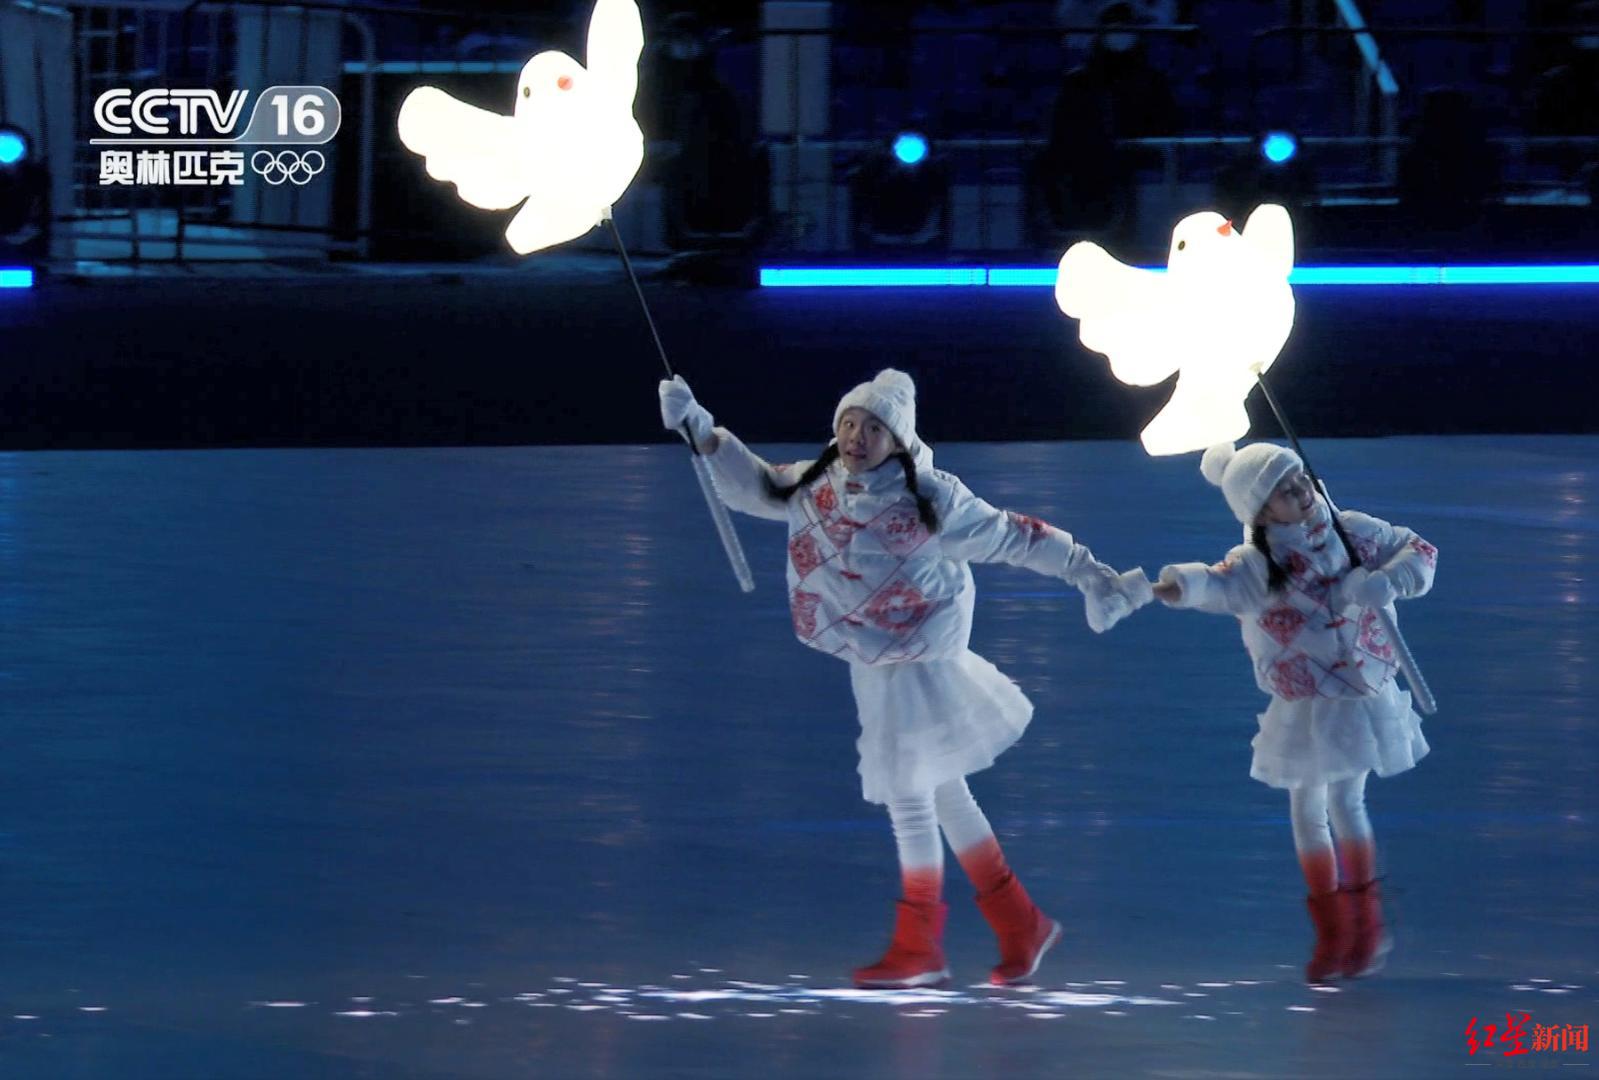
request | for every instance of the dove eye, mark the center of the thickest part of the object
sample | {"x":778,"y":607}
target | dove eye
{"x":1181,"y":244}
{"x":527,"y":91}
{"x":564,"y":82}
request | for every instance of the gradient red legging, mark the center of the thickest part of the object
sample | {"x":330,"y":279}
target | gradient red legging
{"x":917,"y":820}
{"x":1342,"y":804}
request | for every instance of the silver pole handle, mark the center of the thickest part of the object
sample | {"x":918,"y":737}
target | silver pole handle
{"x":724,"y":525}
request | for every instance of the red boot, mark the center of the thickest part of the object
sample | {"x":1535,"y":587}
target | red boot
{"x":1370,"y":942}
{"x":1025,"y":933}
{"x":916,"y":955}
{"x":1334,"y":921}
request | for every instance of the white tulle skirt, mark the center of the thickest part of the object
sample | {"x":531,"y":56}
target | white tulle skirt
{"x":1320,"y":740}
{"x":927,"y":722}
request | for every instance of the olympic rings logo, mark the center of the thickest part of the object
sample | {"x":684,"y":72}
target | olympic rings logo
{"x":286,"y":165}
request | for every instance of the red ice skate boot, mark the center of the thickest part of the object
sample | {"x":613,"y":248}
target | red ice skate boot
{"x":1370,"y":941}
{"x":1330,"y":913}
{"x":1025,"y":934}
{"x":916,"y":955}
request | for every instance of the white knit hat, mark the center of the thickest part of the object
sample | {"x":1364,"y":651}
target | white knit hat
{"x":891,"y":397}
{"x":1247,"y":477}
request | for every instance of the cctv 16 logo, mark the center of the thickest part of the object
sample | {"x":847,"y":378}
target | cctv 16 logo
{"x":282,"y":115}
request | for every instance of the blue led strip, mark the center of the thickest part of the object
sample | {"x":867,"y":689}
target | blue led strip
{"x":15,"y":278}
{"x":1044,"y":277}
{"x":859,"y":277}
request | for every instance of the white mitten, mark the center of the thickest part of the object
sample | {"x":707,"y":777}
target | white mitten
{"x":1109,"y":597}
{"x":1364,"y":588}
{"x":678,"y":407}
{"x":1171,"y":576}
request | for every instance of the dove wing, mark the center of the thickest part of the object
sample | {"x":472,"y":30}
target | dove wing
{"x":1195,"y":417}
{"x":1270,"y":231}
{"x":1120,"y":313}
{"x":543,"y":223}
{"x":477,"y":150}
{"x":616,"y":38}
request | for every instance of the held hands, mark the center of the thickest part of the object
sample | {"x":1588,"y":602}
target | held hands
{"x":1363,"y":588}
{"x":1109,"y":597}
{"x":678,"y":408}
{"x":1169,"y":588}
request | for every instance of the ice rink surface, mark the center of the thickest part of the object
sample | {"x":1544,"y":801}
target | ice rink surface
{"x":476,"y":763}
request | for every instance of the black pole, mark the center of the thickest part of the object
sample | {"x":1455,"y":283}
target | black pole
{"x":627,"y":264}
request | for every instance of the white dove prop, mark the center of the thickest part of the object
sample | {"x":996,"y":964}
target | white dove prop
{"x":1219,"y":315}
{"x":568,"y":150}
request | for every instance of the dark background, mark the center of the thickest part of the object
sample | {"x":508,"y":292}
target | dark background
{"x":561,"y":355}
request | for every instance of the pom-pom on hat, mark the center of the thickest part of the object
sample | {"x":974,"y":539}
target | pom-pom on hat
{"x":891,"y":397}
{"x":1247,"y":477}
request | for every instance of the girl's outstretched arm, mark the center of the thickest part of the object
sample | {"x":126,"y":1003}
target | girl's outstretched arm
{"x":1407,"y":559}
{"x":1234,"y":586}
{"x":740,"y":476}
{"x":972,"y":530}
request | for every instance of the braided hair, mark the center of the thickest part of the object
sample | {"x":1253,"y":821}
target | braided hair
{"x":817,"y":468}
{"x":1276,"y":576}
{"x":924,"y":506}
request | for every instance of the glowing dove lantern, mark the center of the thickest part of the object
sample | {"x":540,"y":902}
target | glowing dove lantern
{"x":566,"y":153}
{"x":1219,"y":315}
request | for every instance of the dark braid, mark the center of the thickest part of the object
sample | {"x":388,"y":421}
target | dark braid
{"x":818,"y":467}
{"x":1276,"y":576}
{"x":924,"y":506}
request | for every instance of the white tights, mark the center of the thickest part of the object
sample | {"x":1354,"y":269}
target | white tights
{"x":1343,"y":802}
{"x":918,"y":818}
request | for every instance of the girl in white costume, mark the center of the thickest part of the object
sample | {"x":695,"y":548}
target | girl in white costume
{"x":878,"y":575}
{"x":1310,"y":624}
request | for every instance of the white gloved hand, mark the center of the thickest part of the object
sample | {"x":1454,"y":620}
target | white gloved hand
{"x":1109,"y":597}
{"x":1169,"y":588}
{"x":678,"y":407}
{"x":1364,"y":588}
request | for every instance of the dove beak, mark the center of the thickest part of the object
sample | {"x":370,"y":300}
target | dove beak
{"x":1225,"y":228}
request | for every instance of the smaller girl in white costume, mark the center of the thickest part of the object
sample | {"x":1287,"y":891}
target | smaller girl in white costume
{"x":878,"y":576}
{"x":1310,"y":624}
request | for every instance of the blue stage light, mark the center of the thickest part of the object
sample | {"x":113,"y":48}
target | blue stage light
{"x":13,"y":145}
{"x":1278,"y":147}
{"x":910,"y":147}
{"x":16,"y":277}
